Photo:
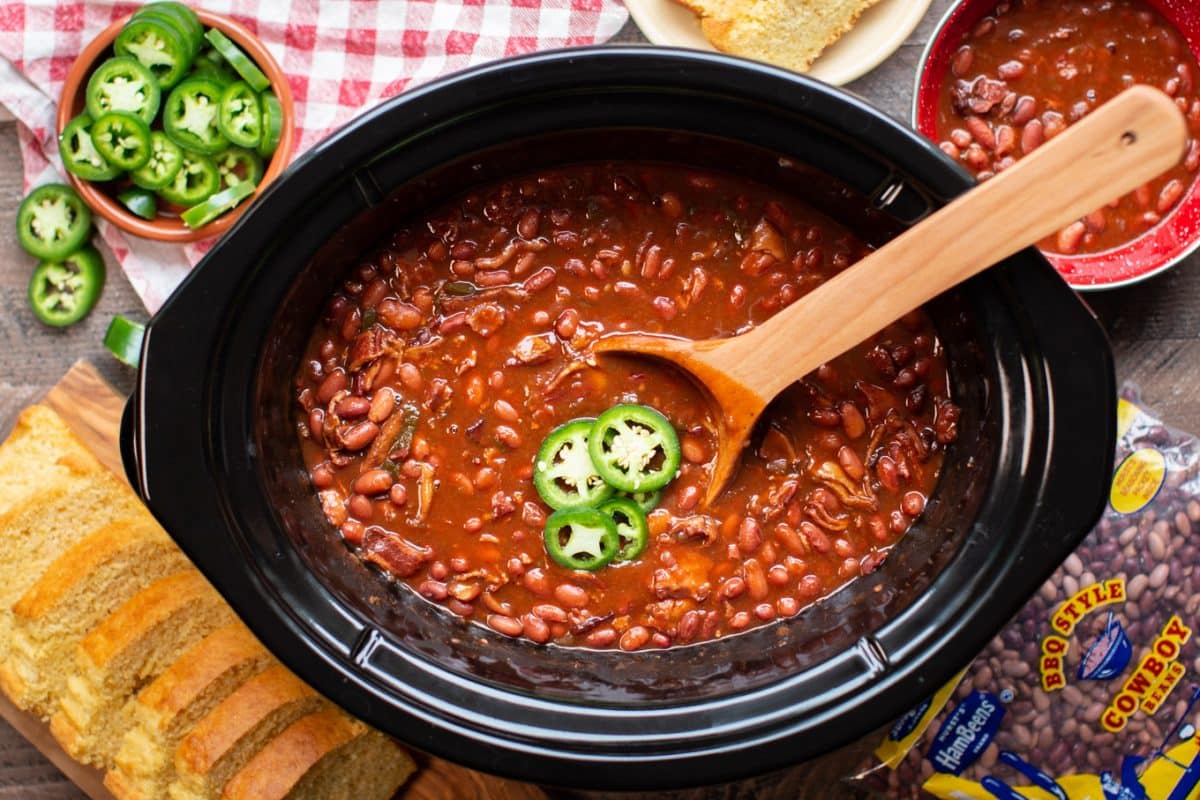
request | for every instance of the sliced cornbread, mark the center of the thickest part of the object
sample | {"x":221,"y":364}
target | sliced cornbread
{"x":788,"y":33}
{"x":229,"y":736}
{"x":170,"y":707}
{"x":50,"y":521}
{"x":31,"y":455}
{"x":90,"y":580}
{"x":323,"y":756}
{"x":127,"y":650}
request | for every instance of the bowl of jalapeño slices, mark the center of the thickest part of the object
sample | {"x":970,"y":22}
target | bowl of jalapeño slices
{"x":171,"y":120}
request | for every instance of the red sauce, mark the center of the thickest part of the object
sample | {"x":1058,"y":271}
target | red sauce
{"x":1027,"y":71}
{"x":438,"y":370}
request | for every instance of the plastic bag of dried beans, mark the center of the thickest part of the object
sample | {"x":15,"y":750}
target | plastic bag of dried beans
{"x":1093,"y":691}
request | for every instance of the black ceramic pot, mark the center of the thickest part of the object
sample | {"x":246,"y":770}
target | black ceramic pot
{"x":210,"y":442}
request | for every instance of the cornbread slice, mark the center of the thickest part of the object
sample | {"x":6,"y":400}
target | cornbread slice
{"x":324,"y":756}
{"x":128,"y":649}
{"x":81,"y":587}
{"x":229,"y":736}
{"x":169,"y":708}
{"x":64,"y":509}
{"x":788,"y":33}
{"x":40,"y":450}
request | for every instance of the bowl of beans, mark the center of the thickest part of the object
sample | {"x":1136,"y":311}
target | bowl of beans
{"x":372,"y":419}
{"x":1001,"y":78}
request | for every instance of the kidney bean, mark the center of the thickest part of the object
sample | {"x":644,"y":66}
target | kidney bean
{"x":1070,"y":238}
{"x":1024,"y":111}
{"x":539,"y":280}
{"x":731,"y":588}
{"x":634,"y":638}
{"x":373,"y":482}
{"x":976,"y":157}
{"x":960,"y":138}
{"x":750,"y":537}
{"x":571,"y":595}
{"x":352,"y":407}
{"x":981,"y":132}
{"x":850,"y":462}
{"x":508,"y":436}
{"x":817,"y":540}
{"x":601,"y":637}
{"x":1053,"y":123}
{"x":353,"y":531}
{"x":509,"y":626}
{"x":852,"y":420}
{"x":334,"y":382}
{"x":357,"y":436}
{"x":1169,"y":196}
{"x":913,"y":503}
{"x":960,"y":65}
{"x":1011,"y":70}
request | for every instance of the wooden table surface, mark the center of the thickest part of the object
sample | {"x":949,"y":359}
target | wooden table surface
{"x":1154,"y":326}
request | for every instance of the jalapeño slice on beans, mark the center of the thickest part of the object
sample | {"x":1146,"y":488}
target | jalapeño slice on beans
{"x":63,"y":291}
{"x":53,"y":222}
{"x":632,"y":528}
{"x":140,"y":202}
{"x":581,"y":538}
{"x":218,"y":204}
{"x":272,"y":124}
{"x":634,"y":448}
{"x":237,"y":165}
{"x":240,"y":118}
{"x":190,"y":116}
{"x":166,"y":158}
{"x":240,"y":62}
{"x":158,"y":46}
{"x":79,"y":153}
{"x":123,"y":139}
{"x":563,"y":472}
{"x":646,"y":501}
{"x":124,"y":340}
{"x":196,"y":181}
{"x":123,"y":84}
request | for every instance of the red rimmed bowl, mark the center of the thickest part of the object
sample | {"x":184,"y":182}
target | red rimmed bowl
{"x":170,"y":228}
{"x":1157,"y":249}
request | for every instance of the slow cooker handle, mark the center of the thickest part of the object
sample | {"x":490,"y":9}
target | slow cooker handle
{"x":128,"y":442}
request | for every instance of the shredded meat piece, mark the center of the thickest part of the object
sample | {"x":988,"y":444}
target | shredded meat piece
{"x":533,"y":349}
{"x":697,"y":526}
{"x":486,"y":318}
{"x":686,"y":578}
{"x":393,"y":552}
{"x":833,"y":477}
{"x":370,"y":345}
{"x":502,"y":505}
{"x":818,"y":514}
{"x":978,"y":96}
{"x":766,"y":238}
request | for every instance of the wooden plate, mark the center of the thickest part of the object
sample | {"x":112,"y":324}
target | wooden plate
{"x":878,"y":33}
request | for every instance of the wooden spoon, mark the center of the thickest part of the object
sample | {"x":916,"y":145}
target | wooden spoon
{"x":1132,"y":139}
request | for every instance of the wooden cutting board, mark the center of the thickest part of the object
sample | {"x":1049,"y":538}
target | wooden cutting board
{"x":92,"y":408}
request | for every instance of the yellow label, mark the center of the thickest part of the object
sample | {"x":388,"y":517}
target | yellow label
{"x":1137,"y":480}
{"x":892,"y":751}
{"x":1127,"y":413}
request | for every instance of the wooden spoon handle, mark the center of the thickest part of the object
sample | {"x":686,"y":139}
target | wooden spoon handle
{"x":1124,"y":143}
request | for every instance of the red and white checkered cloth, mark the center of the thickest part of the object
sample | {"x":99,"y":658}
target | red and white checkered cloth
{"x":341,"y":57}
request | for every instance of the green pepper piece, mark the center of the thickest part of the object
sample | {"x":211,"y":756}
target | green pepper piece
{"x":158,"y":46}
{"x":190,"y":116}
{"x":563,"y":472}
{"x":62,"y":292}
{"x":140,"y":202}
{"x":124,"y":340}
{"x":79,"y":153}
{"x":53,"y":222}
{"x":180,"y":19}
{"x":632,"y":527}
{"x":581,"y":538}
{"x":200,"y":215}
{"x":166,"y":159}
{"x":123,"y":84}
{"x":123,"y":139}
{"x":646,"y":501}
{"x":209,"y":64}
{"x":196,"y":181}
{"x":184,"y":17}
{"x":272,"y":124}
{"x":239,"y":166}
{"x":240,"y":62}
{"x":240,"y":118}
{"x":634,"y":448}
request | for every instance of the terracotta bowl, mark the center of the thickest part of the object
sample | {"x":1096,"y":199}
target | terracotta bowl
{"x":1159,"y":248}
{"x":171,"y":228}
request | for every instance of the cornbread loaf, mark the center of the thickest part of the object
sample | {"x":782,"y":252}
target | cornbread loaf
{"x":229,"y":736}
{"x":40,"y":450}
{"x":128,"y":649}
{"x":323,"y":756}
{"x":50,"y":520}
{"x":81,"y":587}
{"x":166,"y":710}
{"x":788,"y":33}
